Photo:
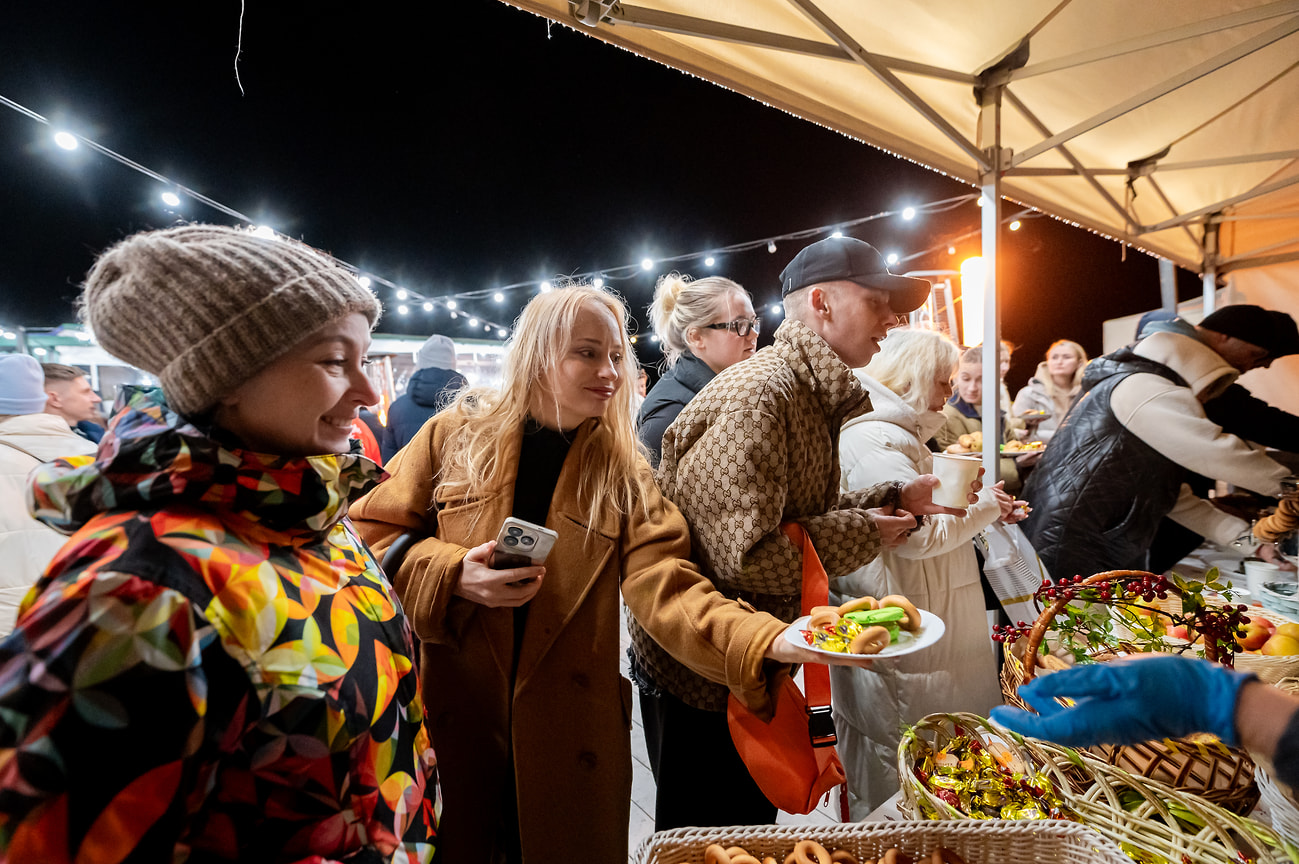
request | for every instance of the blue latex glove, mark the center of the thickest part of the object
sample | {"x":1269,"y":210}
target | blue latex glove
{"x":1126,"y":701}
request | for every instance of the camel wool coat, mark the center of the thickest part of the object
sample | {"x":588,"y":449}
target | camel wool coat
{"x":569,"y":714}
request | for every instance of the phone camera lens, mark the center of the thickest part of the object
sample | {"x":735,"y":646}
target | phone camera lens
{"x":527,"y":541}
{"x":514,"y":531}
{"x":511,"y":541}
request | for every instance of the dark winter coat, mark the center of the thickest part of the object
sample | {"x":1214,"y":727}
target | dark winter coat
{"x":429,"y":391}
{"x":666,"y":399}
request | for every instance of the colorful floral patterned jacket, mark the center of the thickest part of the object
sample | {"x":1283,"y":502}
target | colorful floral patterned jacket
{"x":213,"y":668}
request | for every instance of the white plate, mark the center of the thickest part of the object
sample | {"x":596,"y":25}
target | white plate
{"x":931,"y":630}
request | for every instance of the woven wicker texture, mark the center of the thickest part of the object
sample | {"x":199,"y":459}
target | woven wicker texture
{"x":994,"y":842}
{"x":1277,"y":797}
{"x":1129,"y":809}
{"x":1201,"y":765}
{"x":1268,"y":668}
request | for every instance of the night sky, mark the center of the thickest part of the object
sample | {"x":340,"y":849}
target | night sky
{"x":461,"y":150}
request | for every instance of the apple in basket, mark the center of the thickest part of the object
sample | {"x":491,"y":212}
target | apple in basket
{"x":1281,"y":646}
{"x":1290,"y":629}
{"x":1255,"y":635}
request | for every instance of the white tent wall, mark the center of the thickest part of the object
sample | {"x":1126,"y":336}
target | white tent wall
{"x":1168,"y":125}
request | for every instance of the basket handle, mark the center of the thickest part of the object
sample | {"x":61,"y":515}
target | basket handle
{"x":1043,"y":622}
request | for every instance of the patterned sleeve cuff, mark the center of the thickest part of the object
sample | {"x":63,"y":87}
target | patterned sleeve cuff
{"x":893,"y":496}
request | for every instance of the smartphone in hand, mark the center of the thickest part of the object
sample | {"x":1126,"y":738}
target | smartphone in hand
{"x":521,"y":544}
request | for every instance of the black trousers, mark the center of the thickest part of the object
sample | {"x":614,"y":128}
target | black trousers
{"x":702,"y":782}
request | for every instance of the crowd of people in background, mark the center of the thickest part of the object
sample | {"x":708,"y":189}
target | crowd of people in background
{"x":203,"y":650}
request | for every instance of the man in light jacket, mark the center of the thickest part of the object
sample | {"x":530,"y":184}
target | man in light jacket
{"x":1120,"y":461}
{"x":28,"y":437}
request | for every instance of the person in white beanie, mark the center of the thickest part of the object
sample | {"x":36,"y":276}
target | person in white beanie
{"x":432,"y":387}
{"x":28,"y":437}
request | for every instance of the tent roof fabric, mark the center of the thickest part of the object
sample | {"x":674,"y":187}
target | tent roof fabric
{"x":1142,"y":121}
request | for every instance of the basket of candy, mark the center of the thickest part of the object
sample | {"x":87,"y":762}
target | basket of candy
{"x":973,"y":842}
{"x":960,"y":766}
{"x":1078,"y":621}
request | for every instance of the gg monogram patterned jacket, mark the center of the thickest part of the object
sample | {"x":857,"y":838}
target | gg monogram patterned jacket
{"x":759,"y":446}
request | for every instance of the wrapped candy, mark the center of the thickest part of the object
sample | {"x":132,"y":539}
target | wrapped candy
{"x":987,"y":785}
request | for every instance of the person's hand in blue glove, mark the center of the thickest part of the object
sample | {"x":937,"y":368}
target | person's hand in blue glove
{"x":1125,"y":701}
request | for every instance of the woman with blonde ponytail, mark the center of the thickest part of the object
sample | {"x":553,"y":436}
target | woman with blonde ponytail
{"x":527,"y":707}
{"x":704,"y":325}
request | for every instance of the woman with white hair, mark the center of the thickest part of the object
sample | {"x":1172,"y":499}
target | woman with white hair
{"x":909,"y":381}
{"x":704,"y":326}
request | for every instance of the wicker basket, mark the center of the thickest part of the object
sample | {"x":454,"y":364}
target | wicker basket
{"x":1133,"y":811}
{"x":975,"y":841}
{"x":1201,"y":764}
{"x":1268,"y":668}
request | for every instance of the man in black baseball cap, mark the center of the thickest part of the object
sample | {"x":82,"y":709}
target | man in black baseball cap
{"x":756,"y":448}
{"x":842,"y":289}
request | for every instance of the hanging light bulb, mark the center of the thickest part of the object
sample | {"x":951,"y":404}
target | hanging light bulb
{"x":598,"y":282}
{"x":771,"y":246}
{"x":401,"y":294}
{"x":498,"y":297}
{"x":451,"y":304}
{"x":646,"y":264}
{"x":66,"y":140}
{"x":365,"y":281}
{"x":837,"y":234}
{"x":545,"y":287}
{"x":455,"y":315}
{"x":891,"y":258}
{"x":1015,"y":226}
{"x":403,"y":309}
{"x":171,"y":199}
{"x":908,"y":213}
{"x":777,"y":309}
{"x":428,"y":307}
{"x":473,"y":322}
{"x":709,"y":261}
{"x":501,"y":332}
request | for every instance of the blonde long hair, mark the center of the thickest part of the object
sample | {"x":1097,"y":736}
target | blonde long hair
{"x":1079,"y":352}
{"x":681,"y":303}
{"x":475,"y":457}
{"x":910,"y":360}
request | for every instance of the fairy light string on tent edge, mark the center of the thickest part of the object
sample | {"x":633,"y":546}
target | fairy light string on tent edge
{"x":405,"y":297}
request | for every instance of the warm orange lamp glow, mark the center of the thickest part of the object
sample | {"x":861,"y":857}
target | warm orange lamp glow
{"x":973,"y":282}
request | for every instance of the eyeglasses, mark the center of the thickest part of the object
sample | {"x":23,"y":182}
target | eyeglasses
{"x":740,"y":326}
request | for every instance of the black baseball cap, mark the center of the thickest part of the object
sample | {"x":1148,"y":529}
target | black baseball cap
{"x":1274,"y":332}
{"x":836,"y":258}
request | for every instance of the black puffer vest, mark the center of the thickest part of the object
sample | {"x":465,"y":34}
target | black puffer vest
{"x":1099,"y":492}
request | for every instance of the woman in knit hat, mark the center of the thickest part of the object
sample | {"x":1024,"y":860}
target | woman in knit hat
{"x":528,"y":710}
{"x":213,"y":668}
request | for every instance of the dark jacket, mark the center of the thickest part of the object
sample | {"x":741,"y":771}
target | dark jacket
{"x":1100,"y":491}
{"x":666,"y":399}
{"x":429,"y":391}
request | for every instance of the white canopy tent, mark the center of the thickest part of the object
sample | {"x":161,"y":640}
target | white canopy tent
{"x":1168,"y":125}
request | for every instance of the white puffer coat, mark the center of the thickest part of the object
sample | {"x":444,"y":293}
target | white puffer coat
{"x":26,"y":545}
{"x":936,"y":569}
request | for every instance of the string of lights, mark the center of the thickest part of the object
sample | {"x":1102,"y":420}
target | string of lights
{"x":407,"y":299}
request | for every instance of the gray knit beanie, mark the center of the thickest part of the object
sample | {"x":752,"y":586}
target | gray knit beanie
{"x":437,"y":352}
{"x":205,"y":307}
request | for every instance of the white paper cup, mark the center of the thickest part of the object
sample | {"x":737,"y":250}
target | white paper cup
{"x":955,"y":474}
{"x":1258,"y":572}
